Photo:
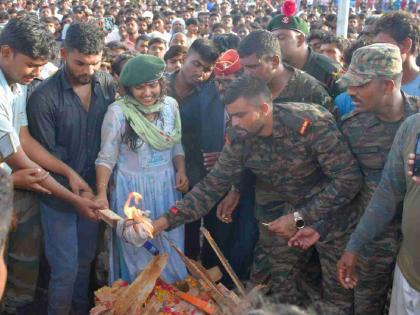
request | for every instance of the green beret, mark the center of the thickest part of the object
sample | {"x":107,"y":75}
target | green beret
{"x":141,"y":69}
{"x":289,"y":23}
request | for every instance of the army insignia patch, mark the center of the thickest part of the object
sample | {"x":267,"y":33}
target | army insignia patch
{"x":304,"y":127}
{"x":285,"y":20}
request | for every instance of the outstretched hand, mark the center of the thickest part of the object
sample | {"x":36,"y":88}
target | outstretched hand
{"x":304,"y":238}
{"x":346,"y":273}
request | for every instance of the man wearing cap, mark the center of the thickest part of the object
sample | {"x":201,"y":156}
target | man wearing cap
{"x":291,"y":32}
{"x":374,"y":83}
{"x":397,"y":185}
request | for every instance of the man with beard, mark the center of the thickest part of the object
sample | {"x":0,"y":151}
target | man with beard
{"x":260,"y":57}
{"x":305,"y":173}
{"x":188,"y":86}
{"x":65,"y":115}
{"x":291,"y":31}
{"x":26,"y":46}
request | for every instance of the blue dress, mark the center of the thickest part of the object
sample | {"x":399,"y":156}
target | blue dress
{"x":152,"y":174}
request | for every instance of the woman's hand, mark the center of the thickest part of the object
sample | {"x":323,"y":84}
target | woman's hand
{"x":181,"y":182}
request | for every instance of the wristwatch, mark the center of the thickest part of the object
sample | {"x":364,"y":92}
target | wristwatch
{"x":299,"y":222}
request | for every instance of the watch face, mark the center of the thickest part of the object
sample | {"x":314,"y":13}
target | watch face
{"x":300,"y":223}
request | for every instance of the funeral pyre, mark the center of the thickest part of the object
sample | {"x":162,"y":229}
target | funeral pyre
{"x":148,"y":294}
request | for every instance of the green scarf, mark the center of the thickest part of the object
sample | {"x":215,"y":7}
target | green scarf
{"x":134,"y":113}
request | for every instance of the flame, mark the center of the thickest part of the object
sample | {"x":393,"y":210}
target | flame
{"x":134,"y":213}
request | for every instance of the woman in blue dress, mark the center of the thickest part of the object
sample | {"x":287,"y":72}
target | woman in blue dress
{"x":141,"y":152}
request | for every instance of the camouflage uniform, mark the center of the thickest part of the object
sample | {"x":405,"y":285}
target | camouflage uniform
{"x":304,"y":166}
{"x":303,"y":88}
{"x":370,"y":141}
{"x":23,"y":252}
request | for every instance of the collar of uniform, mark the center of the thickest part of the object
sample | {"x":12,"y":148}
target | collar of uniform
{"x":409,"y":109}
{"x":309,"y":59}
{"x":65,"y":82}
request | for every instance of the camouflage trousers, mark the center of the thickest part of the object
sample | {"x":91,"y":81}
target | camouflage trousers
{"x":23,"y":252}
{"x":281,"y":268}
{"x":375,"y":268}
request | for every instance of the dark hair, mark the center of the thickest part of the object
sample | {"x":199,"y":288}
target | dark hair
{"x":216,"y":26}
{"x":353,"y":17}
{"x":174,"y":51}
{"x":115,"y":44}
{"x":28,"y":36}
{"x":85,"y":37}
{"x":4,"y":15}
{"x":316,"y":34}
{"x":205,"y":48}
{"x":157,"y":40}
{"x":130,"y":137}
{"x":48,"y":19}
{"x":157,"y":17}
{"x":142,"y":37}
{"x":6,"y":205}
{"x":247,"y":87}
{"x":224,"y":42}
{"x":340,"y":42}
{"x":120,"y":60}
{"x":348,"y":52}
{"x":261,"y":42}
{"x":191,"y":21}
{"x":130,"y":19}
{"x":399,"y":25}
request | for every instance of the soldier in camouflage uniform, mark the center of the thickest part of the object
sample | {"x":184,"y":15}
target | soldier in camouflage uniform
{"x":291,"y":32}
{"x":260,"y":56}
{"x":374,"y":82}
{"x":304,"y":168}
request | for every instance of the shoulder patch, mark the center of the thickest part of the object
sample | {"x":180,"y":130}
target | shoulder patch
{"x":296,"y":120}
{"x":304,"y":126}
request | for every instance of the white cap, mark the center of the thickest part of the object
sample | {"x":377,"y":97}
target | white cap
{"x":147,"y":14}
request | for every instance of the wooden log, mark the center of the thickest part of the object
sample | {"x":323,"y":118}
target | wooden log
{"x":109,"y":217}
{"x":224,"y":261}
{"x":200,"y":275}
{"x":142,"y":286}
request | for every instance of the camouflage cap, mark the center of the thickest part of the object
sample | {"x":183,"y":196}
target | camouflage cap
{"x":288,"y":22}
{"x":370,"y":62}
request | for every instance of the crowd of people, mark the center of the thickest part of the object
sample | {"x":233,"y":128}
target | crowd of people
{"x":293,"y":146}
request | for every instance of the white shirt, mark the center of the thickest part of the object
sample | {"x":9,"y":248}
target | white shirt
{"x":12,"y":111}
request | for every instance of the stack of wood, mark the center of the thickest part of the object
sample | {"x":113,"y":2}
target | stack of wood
{"x":199,"y":294}
{"x":150,"y":295}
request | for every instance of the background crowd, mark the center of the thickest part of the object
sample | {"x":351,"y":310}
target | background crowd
{"x":110,"y":97}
